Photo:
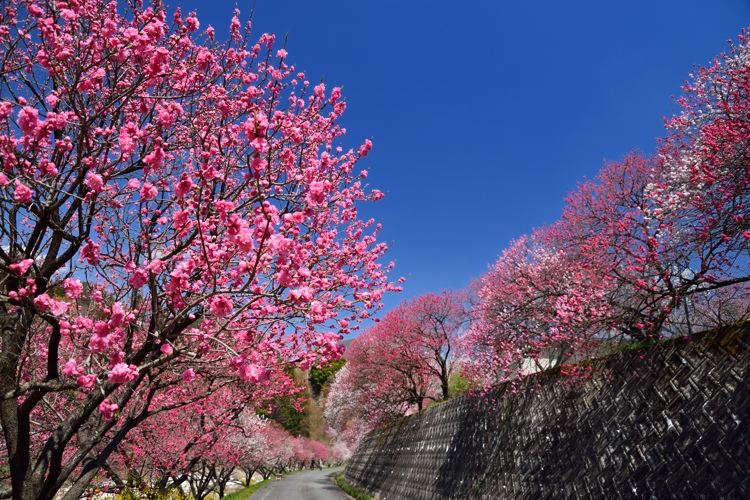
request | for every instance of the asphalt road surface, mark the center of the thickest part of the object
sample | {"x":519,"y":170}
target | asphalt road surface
{"x":307,"y":485}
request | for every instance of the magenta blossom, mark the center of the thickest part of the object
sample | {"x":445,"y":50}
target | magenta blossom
{"x":221,"y":306}
{"x":22,"y":194}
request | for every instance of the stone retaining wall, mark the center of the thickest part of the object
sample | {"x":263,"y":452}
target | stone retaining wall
{"x":668,"y":421}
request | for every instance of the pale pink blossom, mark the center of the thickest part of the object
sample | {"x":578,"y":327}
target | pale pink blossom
{"x":68,"y":14}
{"x":253,"y":373}
{"x":122,"y":373}
{"x":244,"y":241}
{"x":73,"y":288}
{"x":59,"y":307}
{"x":302,"y":294}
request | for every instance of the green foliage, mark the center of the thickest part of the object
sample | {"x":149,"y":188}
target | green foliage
{"x":285,"y":413}
{"x":246,"y":492}
{"x":319,"y":376}
{"x":458,"y":385}
{"x":349,"y":489}
{"x":148,"y":493}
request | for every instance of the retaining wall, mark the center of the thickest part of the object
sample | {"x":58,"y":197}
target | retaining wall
{"x":668,"y":421}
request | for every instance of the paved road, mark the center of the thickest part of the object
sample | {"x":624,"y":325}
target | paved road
{"x":307,"y":485}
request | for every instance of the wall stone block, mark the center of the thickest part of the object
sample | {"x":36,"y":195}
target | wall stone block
{"x":671,"y":420}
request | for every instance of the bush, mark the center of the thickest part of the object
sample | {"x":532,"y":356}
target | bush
{"x":349,"y":489}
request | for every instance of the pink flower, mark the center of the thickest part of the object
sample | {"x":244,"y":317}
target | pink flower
{"x":42,"y":302}
{"x":256,"y":126}
{"x":48,"y":168}
{"x":365,"y":148}
{"x":117,"y":315}
{"x":257,"y":164}
{"x":122,"y":373}
{"x":244,"y":241}
{"x":148,"y":191}
{"x":90,"y":252}
{"x":28,"y":120}
{"x":253,"y":373}
{"x":99,"y":343}
{"x":221,"y":306}
{"x":223,"y":206}
{"x":191,"y":23}
{"x":108,"y":410}
{"x":188,"y":375}
{"x":23,"y":194}
{"x":71,"y":368}
{"x":302,"y":294}
{"x":180,"y":217}
{"x":73,"y":288}
{"x":166,"y":349}
{"x":68,"y":14}
{"x":87,"y":381}
{"x":335,"y":95}
{"x":94,"y":182}
{"x":183,"y":187}
{"x":316,"y":194}
{"x":59,"y":307}
{"x":5,"y":109}
{"x":21,"y":267}
{"x":134,"y":184}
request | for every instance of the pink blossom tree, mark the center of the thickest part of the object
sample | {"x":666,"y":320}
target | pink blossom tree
{"x":652,"y":241}
{"x":176,"y":214}
{"x":538,"y":306}
{"x":349,"y":413}
{"x":405,"y":359}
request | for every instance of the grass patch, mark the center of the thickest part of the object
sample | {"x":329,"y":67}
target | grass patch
{"x":246,"y":492}
{"x":349,"y":489}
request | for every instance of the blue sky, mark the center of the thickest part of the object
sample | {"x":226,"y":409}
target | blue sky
{"x":484,"y":115}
